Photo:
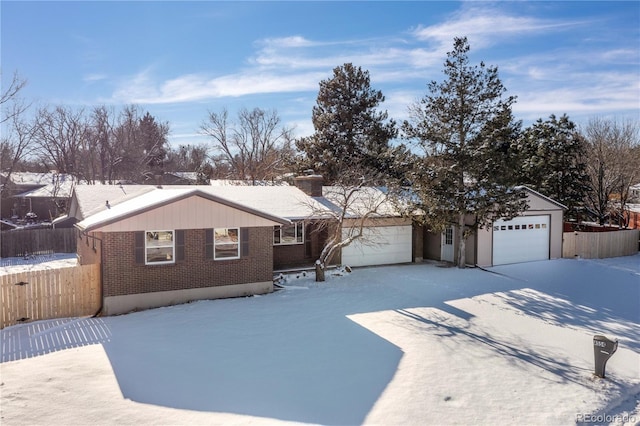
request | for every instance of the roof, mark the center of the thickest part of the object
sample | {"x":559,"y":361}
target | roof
{"x":363,"y":201}
{"x":544,"y":197}
{"x":158,"y":197}
{"x":61,"y":189}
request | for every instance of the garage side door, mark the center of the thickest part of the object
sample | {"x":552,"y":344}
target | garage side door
{"x":393,"y":245}
{"x":522,"y":239}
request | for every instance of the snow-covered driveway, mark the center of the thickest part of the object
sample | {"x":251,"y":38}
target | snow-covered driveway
{"x":415,"y":344}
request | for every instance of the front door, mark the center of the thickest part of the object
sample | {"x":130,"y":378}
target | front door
{"x":446,"y":245}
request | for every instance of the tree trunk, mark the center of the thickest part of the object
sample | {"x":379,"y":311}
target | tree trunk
{"x":319,"y":272}
{"x":462,"y":261}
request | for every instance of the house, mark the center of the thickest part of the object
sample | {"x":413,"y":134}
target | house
{"x":39,"y":195}
{"x":170,"y":246}
{"x":536,"y":234}
{"x":159,"y":246}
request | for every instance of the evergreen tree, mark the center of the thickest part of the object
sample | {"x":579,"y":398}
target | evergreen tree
{"x":466,"y":130}
{"x":349,"y":130}
{"x":553,"y":161}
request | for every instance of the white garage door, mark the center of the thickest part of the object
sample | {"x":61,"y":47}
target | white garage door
{"x":522,"y":239}
{"x":391,"y":244}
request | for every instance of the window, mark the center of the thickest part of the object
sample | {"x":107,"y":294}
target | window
{"x":226,"y":243}
{"x":159,"y":247}
{"x":448,"y":236}
{"x":288,"y":234}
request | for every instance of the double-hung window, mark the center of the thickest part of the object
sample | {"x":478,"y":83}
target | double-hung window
{"x":226,"y":243}
{"x":159,"y":247}
{"x":288,"y":234}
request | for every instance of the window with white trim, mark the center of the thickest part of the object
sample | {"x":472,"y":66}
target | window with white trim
{"x":288,"y":234}
{"x":226,"y":243}
{"x":159,"y":247}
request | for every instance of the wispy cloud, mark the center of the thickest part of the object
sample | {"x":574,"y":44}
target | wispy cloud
{"x":485,"y":25}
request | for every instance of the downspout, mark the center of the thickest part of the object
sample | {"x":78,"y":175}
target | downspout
{"x":99,"y":311}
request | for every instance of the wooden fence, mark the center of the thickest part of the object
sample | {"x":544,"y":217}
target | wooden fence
{"x":599,"y":245}
{"x":50,"y":293}
{"x":37,"y":241}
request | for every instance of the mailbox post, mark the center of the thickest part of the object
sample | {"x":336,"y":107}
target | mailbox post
{"x":603,"y":349}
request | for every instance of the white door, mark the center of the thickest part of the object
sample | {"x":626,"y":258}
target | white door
{"x":446,"y":245}
{"x":382,"y":245}
{"x":522,"y":239}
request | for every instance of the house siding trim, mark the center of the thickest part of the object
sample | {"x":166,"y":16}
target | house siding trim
{"x":115,"y":305}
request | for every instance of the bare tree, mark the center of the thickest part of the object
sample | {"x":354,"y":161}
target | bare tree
{"x":613,"y":166}
{"x":59,"y":135}
{"x":351,"y":217}
{"x":253,"y":147}
{"x":9,"y":95}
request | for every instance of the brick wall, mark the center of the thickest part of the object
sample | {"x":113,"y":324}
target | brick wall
{"x":122,"y":276}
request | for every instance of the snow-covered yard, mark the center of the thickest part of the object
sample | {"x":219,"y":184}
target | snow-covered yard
{"x":416,"y":344}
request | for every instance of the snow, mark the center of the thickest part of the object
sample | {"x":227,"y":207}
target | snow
{"x":13,"y":265}
{"x":411,"y":344}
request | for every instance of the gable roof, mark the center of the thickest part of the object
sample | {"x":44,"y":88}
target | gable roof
{"x":544,"y":197}
{"x":157,"y":198}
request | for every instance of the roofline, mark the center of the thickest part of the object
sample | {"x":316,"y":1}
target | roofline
{"x":195,"y":192}
{"x":551,"y":200}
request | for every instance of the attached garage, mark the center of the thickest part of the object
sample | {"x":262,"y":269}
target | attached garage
{"x":522,"y":239}
{"x":381,"y":245}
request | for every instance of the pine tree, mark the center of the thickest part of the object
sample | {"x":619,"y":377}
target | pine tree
{"x":466,"y":130}
{"x":553,"y":162}
{"x":349,"y":130}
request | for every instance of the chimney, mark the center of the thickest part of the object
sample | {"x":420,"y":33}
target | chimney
{"x":310,"y":184}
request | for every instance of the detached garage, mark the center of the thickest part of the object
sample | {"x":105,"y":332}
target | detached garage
{"x":535,"y":235}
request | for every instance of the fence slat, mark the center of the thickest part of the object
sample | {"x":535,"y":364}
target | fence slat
{"x":600,"y":245}
{"x":50,"y":293}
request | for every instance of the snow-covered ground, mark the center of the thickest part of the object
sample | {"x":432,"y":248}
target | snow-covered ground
{"x":12,"y":265}
{"x":418,"y":344}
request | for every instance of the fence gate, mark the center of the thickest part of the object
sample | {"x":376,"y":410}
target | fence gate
{"x":49,"y":294}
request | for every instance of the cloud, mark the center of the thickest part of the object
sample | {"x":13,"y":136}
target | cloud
{"x":90,"y":78}
{"x":484,"y":26}
{"x":142,"y":89}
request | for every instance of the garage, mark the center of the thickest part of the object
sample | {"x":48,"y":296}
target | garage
{"x":521,"y":239}
{"x":389,"y":245}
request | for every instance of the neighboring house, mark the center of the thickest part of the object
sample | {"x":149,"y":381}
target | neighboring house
{"x":535,"y":234}
{"x":44,"y":194}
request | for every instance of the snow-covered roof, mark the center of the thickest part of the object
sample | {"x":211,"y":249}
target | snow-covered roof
{"x":90,"y":199}
{"x":92,"y":205}
{"x":61,"y":189}
{"x":236,"y":182}
{"x":363,"y":201}
{"x":158,"y":197}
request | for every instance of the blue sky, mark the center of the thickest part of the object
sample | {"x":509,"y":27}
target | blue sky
{"x":179,"y":60}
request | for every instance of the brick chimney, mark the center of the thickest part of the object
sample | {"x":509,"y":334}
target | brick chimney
{"x":310,"y":184}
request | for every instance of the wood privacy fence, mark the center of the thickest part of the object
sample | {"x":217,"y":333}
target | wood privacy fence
{"x":50,"y":293}
{"x":599,"y":245}
{"x":37,"y":241}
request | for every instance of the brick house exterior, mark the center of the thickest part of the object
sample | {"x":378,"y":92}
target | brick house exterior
{"x":118,"y":239}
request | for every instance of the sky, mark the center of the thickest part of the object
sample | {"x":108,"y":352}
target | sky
{"x":181,"y":60}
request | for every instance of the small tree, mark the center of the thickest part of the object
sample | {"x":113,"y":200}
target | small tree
{"x":349,"y":130}
{"x":354,"y":209}
{"x":465,"y":129}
